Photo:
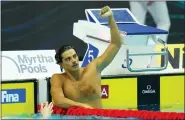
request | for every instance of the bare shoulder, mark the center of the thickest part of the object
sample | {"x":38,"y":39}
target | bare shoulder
{"x":57,"y":78}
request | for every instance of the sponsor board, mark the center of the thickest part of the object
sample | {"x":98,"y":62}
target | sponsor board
{"x":172,"y":92}
{"x":148,"y":90}
{"x":41,"y":63}
{"x":119,"y":67}
{"x":17,"y":95}
{"x":148,"y":93}
{"x":28,"y":64}
{"x":175,"y":57}
{"x":122,"y":93}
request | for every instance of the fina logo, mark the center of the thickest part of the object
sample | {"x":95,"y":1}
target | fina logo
{"x":13,"y":96}
{"x":148,"y":90}
{"x":33,"y":64}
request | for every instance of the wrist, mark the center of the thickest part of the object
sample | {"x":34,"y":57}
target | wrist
{"x":111,"y":17}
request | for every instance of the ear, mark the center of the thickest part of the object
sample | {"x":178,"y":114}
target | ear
{"x":61,"y":67}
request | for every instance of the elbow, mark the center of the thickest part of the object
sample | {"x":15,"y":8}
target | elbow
{"x":59,"y":104}
{"x":58,"y":101}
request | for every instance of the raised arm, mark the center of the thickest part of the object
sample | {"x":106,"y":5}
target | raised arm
{"x":58,"y":95}
{"x":105,"y":59}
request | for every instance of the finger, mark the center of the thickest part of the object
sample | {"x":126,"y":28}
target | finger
{"x":104,"y":10}
{"x":51,"y":106}
{"x":41,"y":106}
{"x":101,"y":11}
{"x":46,"y":104}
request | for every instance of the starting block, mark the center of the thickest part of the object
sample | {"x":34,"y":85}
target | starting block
{"x":139,"y":40}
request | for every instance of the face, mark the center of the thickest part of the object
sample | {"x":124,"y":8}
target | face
{"x":70,"y":60}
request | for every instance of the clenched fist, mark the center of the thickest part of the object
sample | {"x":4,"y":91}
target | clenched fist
{"x":106,"y":12}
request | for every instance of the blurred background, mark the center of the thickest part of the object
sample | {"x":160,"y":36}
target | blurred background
{"x":35,"y":25}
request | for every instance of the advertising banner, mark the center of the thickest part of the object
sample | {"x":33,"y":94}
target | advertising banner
{"x":19,"y":97}
{"x":118,"y":66}
{"x":175,"y":57}
{"x":148,"y":93}
{"x":172,"y":92}
{"x":41,"y":63}
{"x":28,"y":64}
{"x":122,"y":93}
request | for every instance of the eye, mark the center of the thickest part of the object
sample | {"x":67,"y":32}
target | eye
{"x":68,"y":59}
{"x":74,"y":56}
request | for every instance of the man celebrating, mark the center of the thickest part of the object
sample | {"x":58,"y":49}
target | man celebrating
{"x":82,"y":86}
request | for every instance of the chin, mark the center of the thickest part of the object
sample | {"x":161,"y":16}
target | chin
{"x":75,"y":69}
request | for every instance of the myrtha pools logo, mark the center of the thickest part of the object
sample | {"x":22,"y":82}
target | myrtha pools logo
{"x":31,"y":64}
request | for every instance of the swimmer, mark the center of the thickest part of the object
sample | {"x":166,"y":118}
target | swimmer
{"x":82,"y":86}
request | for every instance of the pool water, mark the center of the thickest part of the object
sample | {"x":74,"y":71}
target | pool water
{"x":64,"y":117}
{"x":170,"y":108}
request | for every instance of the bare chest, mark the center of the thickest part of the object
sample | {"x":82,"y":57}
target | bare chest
{"x":85,"y":89}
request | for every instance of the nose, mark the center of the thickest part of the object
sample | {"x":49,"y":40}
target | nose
{"x":73,"y":60}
